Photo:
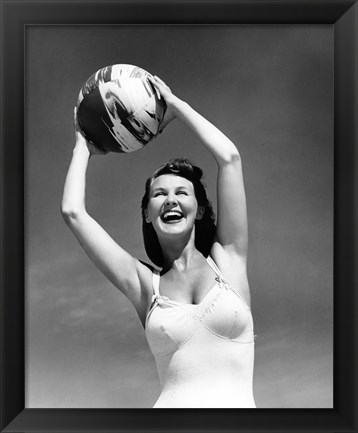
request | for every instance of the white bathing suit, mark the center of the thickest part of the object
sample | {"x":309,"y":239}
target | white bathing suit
{"x":204,"y":352}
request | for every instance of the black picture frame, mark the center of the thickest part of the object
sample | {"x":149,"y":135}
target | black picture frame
{"x":15,"y":16}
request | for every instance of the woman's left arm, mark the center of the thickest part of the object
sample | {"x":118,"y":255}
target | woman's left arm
{"x":232,"y":233}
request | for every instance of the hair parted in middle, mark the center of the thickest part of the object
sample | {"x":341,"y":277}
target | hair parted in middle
{"x":205,"y":228}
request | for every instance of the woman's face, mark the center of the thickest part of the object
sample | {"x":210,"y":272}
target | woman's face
{"x":172,"y":206}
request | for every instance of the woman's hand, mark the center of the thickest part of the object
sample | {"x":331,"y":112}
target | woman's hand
{"x":81,"y":140}
{"x":170,"y":99}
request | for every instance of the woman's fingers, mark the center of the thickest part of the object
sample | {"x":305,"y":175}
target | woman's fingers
{"x":75,"y":119}
{"x":160,"y":81}
{"x":78,"y":131}
{"x":155,"y":85}
{"x":159,"y":84}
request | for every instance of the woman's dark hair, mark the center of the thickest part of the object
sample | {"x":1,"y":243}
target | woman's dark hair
{"x":205,"y":228}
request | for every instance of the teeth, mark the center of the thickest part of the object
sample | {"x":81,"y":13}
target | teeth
{"x":171,"y":214}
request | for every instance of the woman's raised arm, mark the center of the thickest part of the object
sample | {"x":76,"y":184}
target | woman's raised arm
{"x":128,"y":274}
{"x":231,"y":213}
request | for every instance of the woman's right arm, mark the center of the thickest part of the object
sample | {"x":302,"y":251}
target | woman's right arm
{"x":128,"y":274}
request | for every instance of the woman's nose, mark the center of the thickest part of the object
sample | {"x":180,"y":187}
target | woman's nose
{"x":171,"y":200}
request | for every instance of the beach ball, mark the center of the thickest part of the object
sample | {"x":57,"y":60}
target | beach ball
{"x":118,"y":109}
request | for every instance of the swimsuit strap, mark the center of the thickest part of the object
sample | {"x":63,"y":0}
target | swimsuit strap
{"x":225,"y":282}
{"x":156,"y":280}
{"x":214,"y":267}
{"x":219,"y":275}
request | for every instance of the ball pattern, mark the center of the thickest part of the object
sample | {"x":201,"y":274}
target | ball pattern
{"x":119,"y":110}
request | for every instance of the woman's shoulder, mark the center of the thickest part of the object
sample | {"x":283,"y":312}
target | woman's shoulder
{"x":234,"y":270}
{"x":141,"y":299}
{"x":146,"y":271}
{"x":229,"y":262}
{"x":147,"y":265}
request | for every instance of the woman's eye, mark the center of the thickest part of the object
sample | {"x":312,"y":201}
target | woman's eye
{"x":158,"y":193}
{"x":182,"y":192}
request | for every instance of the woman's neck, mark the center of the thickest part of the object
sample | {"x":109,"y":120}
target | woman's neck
{"x":178,"y":253}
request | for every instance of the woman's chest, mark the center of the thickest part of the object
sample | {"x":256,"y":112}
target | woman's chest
{"x":187,"y":287}
{"x":222,"y":313}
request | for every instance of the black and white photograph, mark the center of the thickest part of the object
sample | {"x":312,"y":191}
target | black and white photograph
{"x":179,"y":201}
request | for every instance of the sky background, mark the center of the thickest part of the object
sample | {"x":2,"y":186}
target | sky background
{"x":270,"y":90}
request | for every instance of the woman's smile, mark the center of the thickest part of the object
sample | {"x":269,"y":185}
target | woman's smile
{"x":171,"y":216}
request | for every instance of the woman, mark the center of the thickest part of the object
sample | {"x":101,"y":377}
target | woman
{"x":196,"y":310}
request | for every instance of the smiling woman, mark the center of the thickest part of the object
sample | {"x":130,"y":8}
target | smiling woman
{"x":196,"y":307}
{"x":205,"y":227}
